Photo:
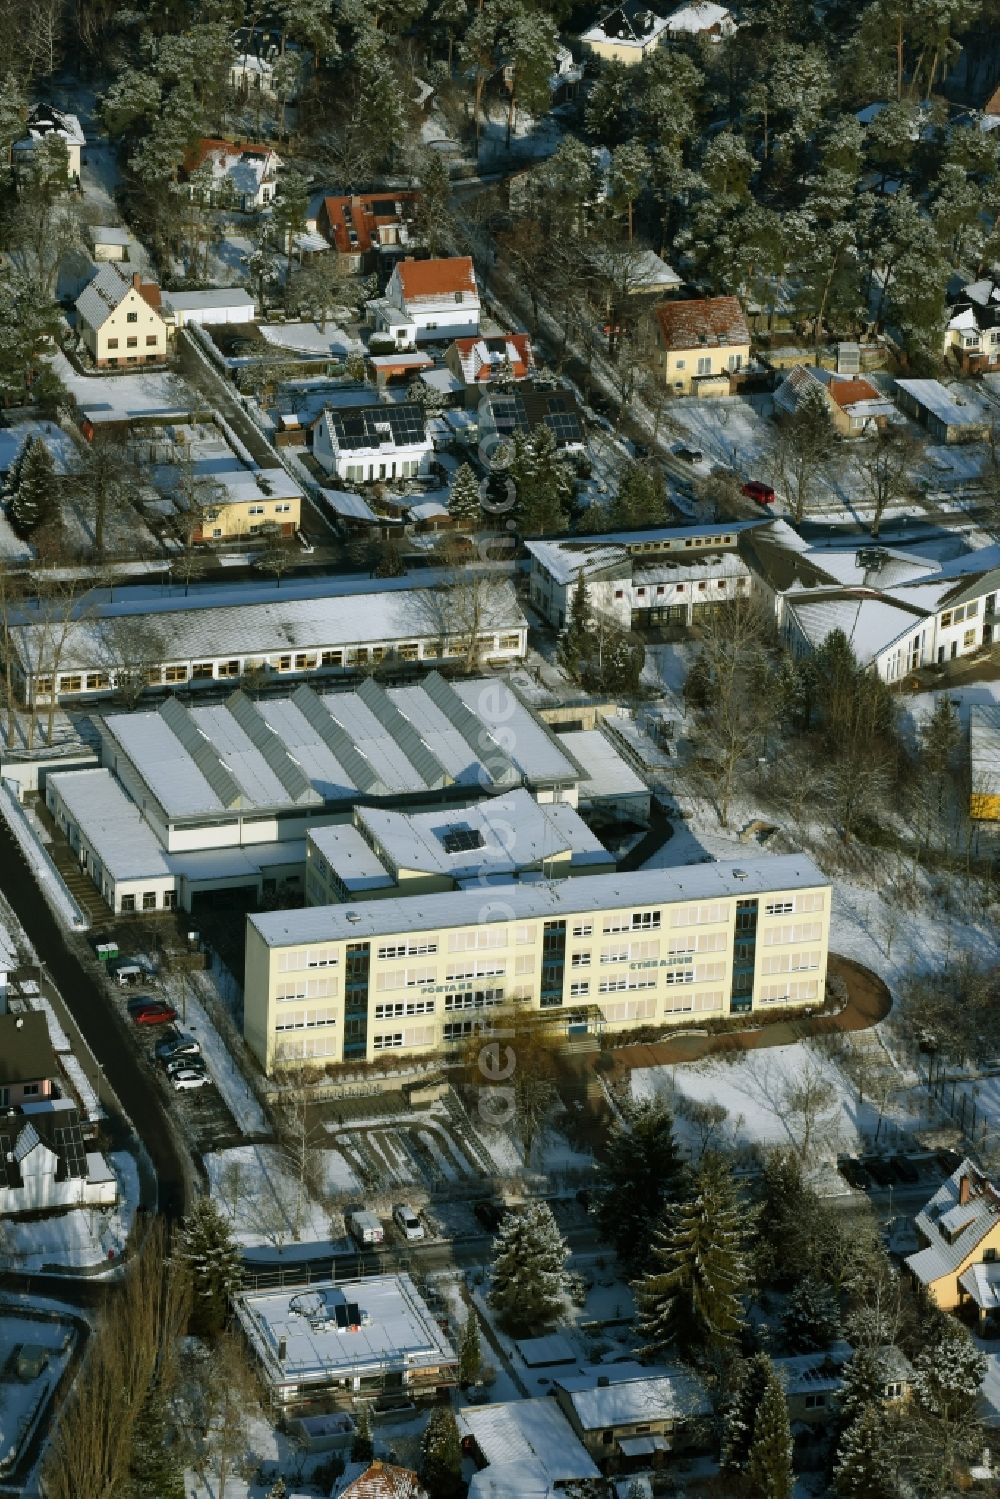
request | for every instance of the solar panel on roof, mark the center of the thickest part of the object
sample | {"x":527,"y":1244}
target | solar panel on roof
{"x":460,"y":840}
{"x":354,"y":1313}
{"x":69,"y":1145}
{"x":340,"y":1312}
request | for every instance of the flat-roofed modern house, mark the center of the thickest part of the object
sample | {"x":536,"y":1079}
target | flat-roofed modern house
{"x":429,"y":300}
{"x":420,"y":974}
{"x":191,"y":801}
{"x":626,"y":34}
{"x":334,"y":1341}
{"x":644,"y":577}
{"x":300,"y":628}
{"x":951,"y":413}
{"x":384,"y":852}
{"x":364,"y":444}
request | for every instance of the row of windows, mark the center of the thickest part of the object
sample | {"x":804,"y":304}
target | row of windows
{"x":304,"y":1020}
{"x":130,"y":343}
{"x":324,"y":988}
{"x":408,"y":949}
{"x":631,"y":981}
{"x":639,"y":921}
{"x":479,"y":938}
{"x":149,"y":901}
{"x":802,"y":931}
{"x":399,"y":1007}
{"x":290,"y":959}
{"x":473,"y":999}
{"x":405,"y":978}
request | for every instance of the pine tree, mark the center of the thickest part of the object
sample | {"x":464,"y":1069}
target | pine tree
{"x":866,"y":1465}
{"x":812,"y":1317}
{"x":210,"y":1253}
{"x":464,"y":501}
{"x":278,"y":1489}
{"x":543,"y":482}
{"x":529,"y":1271}
{"x":863,"y":1385}
{"x":692,"y":1299}
{"x":362,"y":1447}
{"x":641,"y":499}
{"x":470,"y":1355}
{"x":769,"y":1468}
{"x":441,"y":1455}
{"x":948,"y":1374}
{"x":577,"y":643}
{"x":740,"y":1414}
{"x":34,"y":500}
{"x":641,"y":1172}
{"x":155,"y":1468}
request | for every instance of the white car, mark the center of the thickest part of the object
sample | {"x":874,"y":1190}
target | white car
{"x":188,"y":1077}
{"x":407,"y":1222}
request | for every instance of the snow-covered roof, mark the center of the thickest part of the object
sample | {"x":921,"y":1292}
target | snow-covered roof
{"x":700,"y":16}
{"x":947,"y":1249}
{"x":632,"y":24}
{"x":945,"y":402}
{"x":814,"y":1373}
{"x":199,"y":301}
{"x":655,"y":1395}
{"x":564,"y":557}
{"x":533,"y":1432}
{"x":871,"y":625}
{"x":108,"y":234}
{"x":112,"y":824}
{"x":351,"y":506}
{"x":62,"y":448}
{"x":606,"y":773}
{"x":597,"y":892}
{"x":43,"y":120}
{"x":108,"y":289}
{"x":331,"y":1331}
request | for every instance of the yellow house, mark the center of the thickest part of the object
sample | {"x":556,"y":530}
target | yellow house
{"x":626,"y":34}
{"x":248,"y":502}
{"x":984,"y":761}
{"x":960,"y":1262}
{"x":701,"y":343}
{"x":119,"y":321}
{"x":418,"y":974}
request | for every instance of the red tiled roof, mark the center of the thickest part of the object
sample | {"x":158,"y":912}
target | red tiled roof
{"x":210,"y":145}
{"x":368,"y":211}
{"x":703,"y":322}
{"x":436,"y":278}
{"x":846,"y":392}
{"x":474,"y":355}
{"x":384,"y":1481}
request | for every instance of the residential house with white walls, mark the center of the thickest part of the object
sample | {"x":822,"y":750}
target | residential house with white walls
{"x":363,"y":444}
{"x":429,"y":300}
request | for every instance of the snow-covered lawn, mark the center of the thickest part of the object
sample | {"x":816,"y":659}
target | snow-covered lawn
{"x":330,"y":342}
{"x":80,"y":1237}
{"x":255,"y":1186}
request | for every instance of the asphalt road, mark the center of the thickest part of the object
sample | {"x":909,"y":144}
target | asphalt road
{"x":102,"y":1028}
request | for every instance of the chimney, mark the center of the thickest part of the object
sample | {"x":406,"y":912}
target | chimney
{"x":964,"y":1191}
{"x":136,"y":280}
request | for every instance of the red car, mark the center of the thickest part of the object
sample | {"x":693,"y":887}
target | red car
{"x":755,"y":490}
{"x":156,"y":1012}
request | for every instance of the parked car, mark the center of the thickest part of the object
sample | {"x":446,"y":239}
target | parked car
{"x":688,"y":455}
{"x":181,"y":1064}
{"x":489,"y":1214}
{"x":854,"y":1173}
{"x":755,"y":489}
{"x":157,"y":1012}
{"x":879,"y":1170}
{"x":188,"y":1077}
{"x":948,"y":1160}
{"x":407,"y":1222}
{"x":904,"y":1168}
{"x":172,"y":1047}
{"x":127,"y":974}
{"x":141,"y":1001}
{"x":366,"y":1229}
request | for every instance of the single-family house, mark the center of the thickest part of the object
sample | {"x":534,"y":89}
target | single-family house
{"x":702,"y":342}
{"x":855,"y":406}
{"x":241,"y":176}
{"x":972,"y":333}
{"x":257,"y":67}
{"x":248,"y":502}
{"x":108,"y":242}
{"x":44,"y":1162}
{"x":490,"y":359}
{"x":701,"y":18}
{"x":120,"y":321}
{"x":949,"y":412}
{"x":429,"y":300}
{"x":368,"y":229}
{"x":524,"y":1449}
{"x":813,"y":1381}
{"x":626,"y":34}
{"x":381,"y":1481}
{"x":631,"y":1413}
{"x":503,"y":413}
{"x":27,"y":1061}
{"x":44,"y":121}
{"x":959,"y":1264}
{"x":361,"y":444}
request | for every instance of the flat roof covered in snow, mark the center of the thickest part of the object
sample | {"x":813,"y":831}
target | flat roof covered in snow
{"x":112,"y":824}
{"x":941,"y":400}
{"x":308,"y":1336}
{"x":552,"y":898}
{"x":607,"y":774}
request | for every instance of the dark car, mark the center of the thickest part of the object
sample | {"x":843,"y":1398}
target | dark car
{"x":854,"y":1173}
{"x":156,"y":1012}
{"x":140,"y":1001}
{"x":755,"y":489}
{"x":879,"y":1170}
{"x":904,"y":1168}
{"x":948,"y":1160}
{"x":489,"y":1214}
{"x":171,"y":1048}
{"x":689,"y":455}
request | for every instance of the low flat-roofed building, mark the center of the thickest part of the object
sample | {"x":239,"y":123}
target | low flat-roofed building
{"x":610,"y":784}
{"x":223,"y":304}
{"x":385,"y":852}
{"x":108,"y":242}
{"x":526,"y":1448}
{"x":220,"y":796}
{"x":420,"y":974}
{"x":632,"y":1411}
{"x":951,"y":413}
{"x":299,"y":627}
{"x":336,"y":1340}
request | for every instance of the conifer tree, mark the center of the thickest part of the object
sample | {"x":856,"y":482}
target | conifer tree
{"x":865,"y":1466}
{"x":33,"y":501}
{"x":740,"y":1414}
{"x":863,"y":1384}
{"x":208,"y":1250}
{"x":463,"y":501}
{"x":691,"y":1300}
{"x":769,"y":1468}
{"x":812,"y":1317}
{"x":470,"y":1355}
{"x":362,"y":1447}
{"x":441,"y":1455}
{"x":543,"y":483}
{"x":576,"y":643}
{"x":642,"y":1171}
{"x":529,"y":1271}
{"x":155,"y":1469}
